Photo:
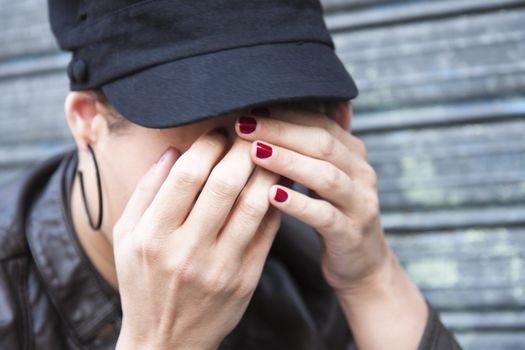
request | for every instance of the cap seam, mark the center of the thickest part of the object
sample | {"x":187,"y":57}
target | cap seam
{"x":109,"y":14}
{"x":88,"y":23}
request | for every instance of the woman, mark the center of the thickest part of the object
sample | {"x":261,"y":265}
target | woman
{"x":165,"y":230}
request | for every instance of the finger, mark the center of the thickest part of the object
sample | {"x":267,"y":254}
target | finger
{"x":247,"y":214}
{"x":343,"y":114}
{"x":256,"y":252}
{"x":175,"y":198}
{"x":320,"y":214}
{"x":313,"y":141}
{"x":222,"y":188}
{"x":313,"y":119}
{"x":320,"y":176}
{"x":146,"y":190}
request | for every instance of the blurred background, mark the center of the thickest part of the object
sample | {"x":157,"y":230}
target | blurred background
{"x":441,"y":110}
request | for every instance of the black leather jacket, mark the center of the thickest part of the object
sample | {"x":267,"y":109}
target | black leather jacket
{"x":52,"y":297}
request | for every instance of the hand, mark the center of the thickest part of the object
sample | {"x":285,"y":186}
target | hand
{"x":342,"y":203}
{"x":187,"y":267}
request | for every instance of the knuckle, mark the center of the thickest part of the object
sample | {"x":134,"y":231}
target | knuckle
{"x":373,"y":180}
{"x":370,"y":215}
{"x":217,"y":282}
{"x":185,"y":271}
{"x":362,"y":148}
{"x":243,"y":290}
{"x":328,"y":218}
{"x":117,"y":232}
{"x":223,"y":185}
{"x":371,"y":175}
{"x":326,"y":143}
{"x":190,"y":175}
{"x":184,"y":267}
{"x":374,"y":207}
{"x":118,"y":228}
{"x":252,"y":207}
{"x":147,"y":249}
{"x":332,"y":177}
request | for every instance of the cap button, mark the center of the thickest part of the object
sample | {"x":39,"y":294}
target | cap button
{"x":77,"y":70}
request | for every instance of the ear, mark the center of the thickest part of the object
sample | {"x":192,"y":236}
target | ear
{"x":81,"y":113}
{"x":343,"y":114}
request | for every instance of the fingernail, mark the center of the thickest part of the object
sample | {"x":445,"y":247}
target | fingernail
{"x":263,"y":151}
{"x":247,"y":124}
{"x":164,"y":155}
{"x":280,"y":195}
{"x":260,"y":111}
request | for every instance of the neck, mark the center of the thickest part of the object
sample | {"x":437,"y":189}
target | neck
{"x":96,"y":244}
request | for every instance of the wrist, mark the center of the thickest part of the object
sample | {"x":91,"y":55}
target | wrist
{"x":127,"y":341}
{"x":385,"y":307}
{"x":132,"y":344}
{"x":389,"y":287}
{"x":375,"y":283}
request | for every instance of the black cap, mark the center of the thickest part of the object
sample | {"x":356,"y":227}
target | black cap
{"x":166,"y":63}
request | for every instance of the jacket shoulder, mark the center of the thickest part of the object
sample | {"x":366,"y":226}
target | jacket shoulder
{"x":17,"y":196}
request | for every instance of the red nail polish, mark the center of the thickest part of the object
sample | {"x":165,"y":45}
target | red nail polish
{"x":280,"y":195}
{"x":247,"y":124}
{"x":263,"y":151}
{"x":261,"y":111}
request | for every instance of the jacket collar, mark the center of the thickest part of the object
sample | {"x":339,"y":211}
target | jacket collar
{"x":84,"y":300}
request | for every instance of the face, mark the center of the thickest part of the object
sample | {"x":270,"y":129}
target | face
{"x":124,"y":156}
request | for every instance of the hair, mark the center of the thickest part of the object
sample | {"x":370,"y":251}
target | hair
{"x":117,"y":122}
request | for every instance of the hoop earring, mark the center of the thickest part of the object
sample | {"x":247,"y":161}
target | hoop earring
{"x":99,"y":223}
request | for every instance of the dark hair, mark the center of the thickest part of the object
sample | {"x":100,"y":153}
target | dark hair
{"x":117,"y":122}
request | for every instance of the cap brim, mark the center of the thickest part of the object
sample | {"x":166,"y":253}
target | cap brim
{"x":199,"y":87}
